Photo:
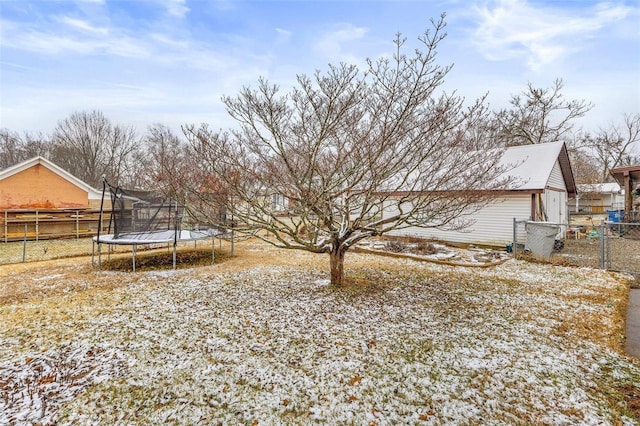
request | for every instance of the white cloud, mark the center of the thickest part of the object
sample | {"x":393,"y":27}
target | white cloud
{"x":333,"y":44}
{"x":177,"y":8}
{"x":169,"y":41}
{"x":50,"y":43}
{"x":283,"y":35}
{"x":509,"y":29}
{"x":79,"y":24}
{"x":77,"y":37}
{"x":166,"y":50}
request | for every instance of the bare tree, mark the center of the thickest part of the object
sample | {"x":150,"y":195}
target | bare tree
{"x":540,"y":115}
{"x":88,"y":146}
{"x":163,"y":159}
{"x":585,"y":167}
{"x":10,"y":148}
{"x":614,"y":146}
{"x":15,"y":149}
{"x":355,"y":154}
{"x":36,"y":144}
{"x":168,"y":166}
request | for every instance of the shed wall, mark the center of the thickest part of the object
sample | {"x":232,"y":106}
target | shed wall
{"x":555,"y":197}
{"x":492,"y":225}
{"x":555,"y":178}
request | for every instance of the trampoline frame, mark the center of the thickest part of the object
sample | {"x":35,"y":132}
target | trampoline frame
{"x":146,"y":238}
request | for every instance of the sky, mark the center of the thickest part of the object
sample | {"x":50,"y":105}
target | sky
{"x":142,"y":62}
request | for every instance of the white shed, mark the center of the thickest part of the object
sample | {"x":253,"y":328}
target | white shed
{"x":546,"y":184}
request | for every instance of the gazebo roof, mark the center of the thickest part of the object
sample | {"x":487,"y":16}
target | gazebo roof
{"x":629,"y":178}
{"x":633,"y":172}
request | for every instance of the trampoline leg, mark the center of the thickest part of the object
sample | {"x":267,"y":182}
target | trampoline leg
{"x":99,"y":256}
{"x":133,"y":257}
{"x":93,"y":250}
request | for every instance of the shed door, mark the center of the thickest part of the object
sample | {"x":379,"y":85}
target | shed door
{"x":555,"y":205}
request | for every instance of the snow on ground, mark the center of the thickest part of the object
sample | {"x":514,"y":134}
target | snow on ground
{"x":422,"y":344}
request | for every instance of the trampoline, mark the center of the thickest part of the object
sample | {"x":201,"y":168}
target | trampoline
{"x":145,"y":218}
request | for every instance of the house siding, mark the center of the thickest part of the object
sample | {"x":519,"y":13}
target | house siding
{"x":492,"y":225}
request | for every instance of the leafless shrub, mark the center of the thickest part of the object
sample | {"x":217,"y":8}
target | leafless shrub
{"x":394,"y":246}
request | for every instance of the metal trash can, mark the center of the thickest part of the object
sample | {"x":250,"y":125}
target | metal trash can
{"x":541,"y":237}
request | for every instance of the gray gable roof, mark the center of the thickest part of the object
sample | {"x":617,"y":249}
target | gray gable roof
{"x":533,"y":164}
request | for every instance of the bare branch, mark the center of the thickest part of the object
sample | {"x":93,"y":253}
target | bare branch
{"x":354,"y":153}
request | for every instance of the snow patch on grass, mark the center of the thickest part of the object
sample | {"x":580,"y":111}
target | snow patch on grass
{"x":423,"y":344}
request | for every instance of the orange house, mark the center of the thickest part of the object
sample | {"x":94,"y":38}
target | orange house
{"x":39,"y":184}
{"x":40,"y":200}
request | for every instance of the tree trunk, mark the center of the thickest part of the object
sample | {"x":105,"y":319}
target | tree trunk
{"x":336,"y":261}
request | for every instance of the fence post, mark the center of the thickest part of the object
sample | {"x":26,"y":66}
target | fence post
{"x":514,"y":245}
{"x":602,"y":262}
{"x":24,"y":245}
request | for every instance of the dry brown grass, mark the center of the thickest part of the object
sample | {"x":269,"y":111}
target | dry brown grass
{"x":70,"y":289}
{"x":37,"y":280}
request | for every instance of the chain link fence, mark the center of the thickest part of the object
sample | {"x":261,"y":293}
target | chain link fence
{"x":34,"y":251}
{"x":606,"y":245}
{"x":621,"y":250}
{"x":31,"y":251}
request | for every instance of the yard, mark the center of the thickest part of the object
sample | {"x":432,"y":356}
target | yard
{"x":261,"y":339}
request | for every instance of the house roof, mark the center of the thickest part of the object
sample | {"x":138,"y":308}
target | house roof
{"x":532,"y":165}
{"x":603,"y":188}
{"x":93,"y":193}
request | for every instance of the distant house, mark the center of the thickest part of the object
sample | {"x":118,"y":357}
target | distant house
{"x":546,"y":186}
{"x":38,"y":183}
{"x":40,"y":199}
{"x":598,"y":198}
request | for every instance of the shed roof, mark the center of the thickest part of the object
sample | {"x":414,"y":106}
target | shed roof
{"x":13,"y":170}
{"x":533,"y":164}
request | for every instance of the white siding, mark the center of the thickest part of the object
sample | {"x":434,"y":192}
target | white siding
{"x":492,"y":225}
{"x":555,"y":205}
{"x":556,"y":180}
{"x":555,"y":197}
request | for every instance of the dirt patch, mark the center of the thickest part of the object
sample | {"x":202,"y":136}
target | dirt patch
{"x":164,"y":260}
{"x":632,"y":399}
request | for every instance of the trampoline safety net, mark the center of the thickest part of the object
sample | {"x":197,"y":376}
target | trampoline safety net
{"x":141,"y":212}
